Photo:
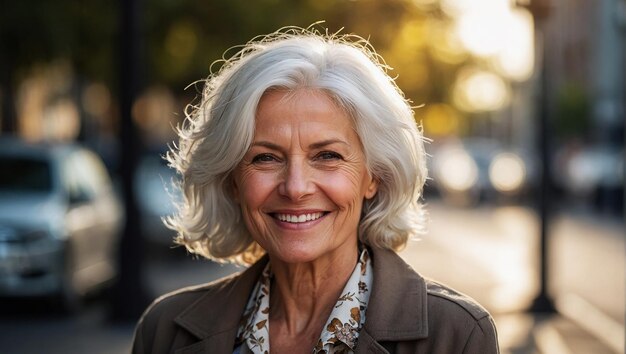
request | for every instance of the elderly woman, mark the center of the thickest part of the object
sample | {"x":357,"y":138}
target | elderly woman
{"x":303,"y":159}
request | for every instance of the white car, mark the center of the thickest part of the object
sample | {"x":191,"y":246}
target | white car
{"x":60,"y":220}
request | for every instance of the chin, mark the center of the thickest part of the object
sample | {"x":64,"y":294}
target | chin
{"x":296,"y":255}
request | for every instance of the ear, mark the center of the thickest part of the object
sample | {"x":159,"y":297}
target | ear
{"x":372,"y":188}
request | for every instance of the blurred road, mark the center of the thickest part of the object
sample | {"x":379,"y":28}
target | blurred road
{"x":488,"y":253}
{"x":491,"y":254}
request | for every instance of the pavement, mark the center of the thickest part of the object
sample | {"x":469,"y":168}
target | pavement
{"x":491,"y":254}
{"x":488,"y":253}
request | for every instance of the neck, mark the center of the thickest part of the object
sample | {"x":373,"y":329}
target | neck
{"x":304,"y":294}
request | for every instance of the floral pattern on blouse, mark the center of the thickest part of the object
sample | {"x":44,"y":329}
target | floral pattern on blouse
{"x":341,"y":331}
{"x":254,"y":325}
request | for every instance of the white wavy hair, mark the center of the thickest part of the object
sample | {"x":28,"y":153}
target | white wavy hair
{"x":218,"y":132}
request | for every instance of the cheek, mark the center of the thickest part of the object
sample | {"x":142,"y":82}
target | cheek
{"x":253,"y":188}
{"x":345,"y":188}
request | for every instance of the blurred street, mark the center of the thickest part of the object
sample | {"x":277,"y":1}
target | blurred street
{"x":486,"y":252}
{"x":491,"y":254}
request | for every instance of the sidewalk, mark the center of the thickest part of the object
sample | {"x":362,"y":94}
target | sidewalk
{"x":490,"y":254}
{"x":524,"y":333}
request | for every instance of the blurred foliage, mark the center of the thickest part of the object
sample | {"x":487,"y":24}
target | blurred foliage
{"x":184,"y":37}
{"x":39,"y":31}
{"x":573,"y":110}
{"x":181,"y":38}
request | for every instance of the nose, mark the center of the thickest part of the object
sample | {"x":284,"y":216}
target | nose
{"x":297,"y":181}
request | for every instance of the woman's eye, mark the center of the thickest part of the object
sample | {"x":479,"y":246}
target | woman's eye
{"x":328,"y":155}
{"x":263,"y":158}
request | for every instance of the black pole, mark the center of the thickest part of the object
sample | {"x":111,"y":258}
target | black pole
{"x":7,"y":77}
{"x":543,"y":302}
{"x":129,"y":296}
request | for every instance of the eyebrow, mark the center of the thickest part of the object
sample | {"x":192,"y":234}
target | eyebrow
{"x":316,"y":145}
{"x":327,"y":142}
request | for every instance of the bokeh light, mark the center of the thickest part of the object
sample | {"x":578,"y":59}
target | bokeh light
{"x":484,"y":32}
{"x":459,"y":8}
{"x":154,"y":112}
{"x":479,"y":91}
{"x":456,"y":170}
{"x":516,"y":56}
{"x":507,"y":172}
{"x":494,"y":30}
{"x":445,"y":43}
{"x":96,"y":99}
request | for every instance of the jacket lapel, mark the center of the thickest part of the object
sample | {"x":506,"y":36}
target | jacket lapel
{"x":368,"y":345}
{"x":214,"y":318}
{"x":397,"y":308}
{"x":217,"y":343}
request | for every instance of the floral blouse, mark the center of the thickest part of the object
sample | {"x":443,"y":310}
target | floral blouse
{"x":341,"y":331}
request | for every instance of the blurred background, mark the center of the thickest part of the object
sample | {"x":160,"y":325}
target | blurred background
{"x":524,"y":102}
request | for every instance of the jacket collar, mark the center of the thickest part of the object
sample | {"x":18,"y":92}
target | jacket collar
{"x":397,"y":308}
{"x":215,"y":316}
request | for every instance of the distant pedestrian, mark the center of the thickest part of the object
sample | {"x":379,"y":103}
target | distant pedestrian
{"x":304,"y":160}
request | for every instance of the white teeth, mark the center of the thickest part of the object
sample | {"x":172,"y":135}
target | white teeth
{"x":298,"y":218}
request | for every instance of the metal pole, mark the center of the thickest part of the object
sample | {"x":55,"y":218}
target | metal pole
{"x":8,"y":45}
{"x":130,"y":296}
{"x":543,"y":302}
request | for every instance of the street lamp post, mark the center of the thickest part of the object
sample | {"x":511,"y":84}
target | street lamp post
{"x":540,"y":10}
{"x":130,"y":297}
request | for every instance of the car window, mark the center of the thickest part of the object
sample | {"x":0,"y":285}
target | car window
{"x":20,"y":174}
{"x":93,"y":174}
{"x":85,"y":176}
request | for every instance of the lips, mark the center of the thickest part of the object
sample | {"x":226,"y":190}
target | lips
{"x":298,"y":218}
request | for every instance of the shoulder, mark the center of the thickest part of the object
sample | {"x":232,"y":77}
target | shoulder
{"x":168,"y":306}
{"x":445,"y":300}
{"x":425,"y":313}
{"x":158,"y":324}
{"x":451,"y":312}
{"x":393,"y":275}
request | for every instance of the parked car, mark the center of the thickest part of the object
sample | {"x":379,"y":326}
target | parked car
{"x":59,"y":220}
{"x":156,"y":194}
{"x":592,"y":175}
{"x":474,"y":170}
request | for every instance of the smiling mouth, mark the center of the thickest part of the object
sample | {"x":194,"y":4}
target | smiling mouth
{"x":297,"y":219}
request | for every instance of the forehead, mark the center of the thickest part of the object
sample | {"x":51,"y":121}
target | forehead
{"x":307,"y":109}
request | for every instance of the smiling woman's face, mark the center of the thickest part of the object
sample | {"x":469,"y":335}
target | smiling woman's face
{"x":302,"y":183}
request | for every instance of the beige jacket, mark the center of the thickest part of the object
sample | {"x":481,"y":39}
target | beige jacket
{"x":406,"y":314}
